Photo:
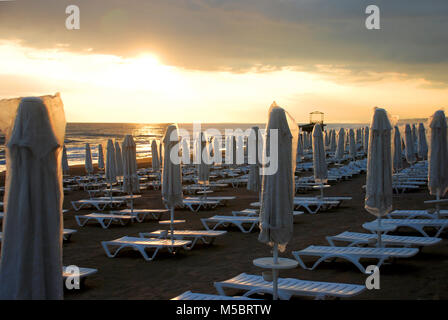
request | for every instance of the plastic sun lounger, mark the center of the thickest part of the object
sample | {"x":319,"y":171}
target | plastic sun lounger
{"x":329,"y":198}
{"x":140,"y":244}
{"x":419,"y":224}
{"x":206,"y":236}
{"x":83,"y":273}
{"x":318,"y":205}
{"x":99,"y":204}
{"x":352,"y":254}
{"x":307,"y":204}
{"x":196,"y":205}
{"x":105,"y":220}
{"x":402,"y":188}
{"x":288,"y":287}
{"x":356,"y":238}
{"x":410,"y":214}
{"x":225,"y":221}
{"x":222,"y":199}
{"x":141,"y":214}
{"x":188,"y":295}
{"x":255,"y":213}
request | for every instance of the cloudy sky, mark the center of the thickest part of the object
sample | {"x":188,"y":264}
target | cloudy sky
{"x":227,"y":60}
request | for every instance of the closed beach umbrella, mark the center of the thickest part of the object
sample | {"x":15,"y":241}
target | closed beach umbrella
{"x":378,"y":200}
{"x":110,"y":170}
{"x":253,"y":146}
{"x":300,"y":150}
{"x":185,"y":148}
{"x":333,"y":141}
{"x":65,"y":167}
{"x":422,"y":143}
{"x":398,"y":163}
{"x":203,"y":166}
{"x":278,"y":189}
{"x":409,"y":142}
{"x":118,"y":160}
{"x":31,"y":253}
{"x":171,"y":174}
{"x":155,"y":156}
{"x":130,"y":178}
{"x":438,"y":156}
{"x":366,"y":140}
{"x":319,"y":162}
{"x":88,"y":160}
{"x":341,"y":145}
{"x":352,"y":144}
{"x":414,"y":137}
{"x":100,"y":157}
{"x":217,"y":155}
{"x":231,"y":151}
{"x":161,"y":153}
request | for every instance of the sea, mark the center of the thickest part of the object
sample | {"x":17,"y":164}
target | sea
{"x":78,"y":134}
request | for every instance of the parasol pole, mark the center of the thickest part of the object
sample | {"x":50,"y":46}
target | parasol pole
{"x":275,"y":273}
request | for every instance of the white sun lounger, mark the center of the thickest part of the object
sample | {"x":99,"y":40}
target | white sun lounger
{"x":255,"y":213}
{"x":418,"y":224}
{"x":410,"y":214}
{"x":340,"y":199}
{"x":188,"y":295}
{"x":105,"y":220}
{"x":317,"y":204}
{"x":206,"y":236}
{"x":222,"y":199}
{"x":140,"y":244}
{"x":196,"y":205}
{"x":356,"y":238}
{"x":99,"y":204}
{"x":288,"y":287}
{"x":308,"y":205}
{"x":225,"y":221}
{"x":402,"y":188}
{"x":352,"y":254}
{"x":141,"y":214}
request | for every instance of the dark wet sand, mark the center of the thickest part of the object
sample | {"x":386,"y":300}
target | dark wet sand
{"x":128,"y":276}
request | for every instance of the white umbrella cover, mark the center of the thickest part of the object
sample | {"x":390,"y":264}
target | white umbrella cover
{"x":378,"y":199}
{"x":130,"y":178}
{"x":438,"y":155}
{"x":319,"y":161}
{"x":155,"y":156}
{"x":31,"y":254}
{"x":88,"y":160}
{"x":100,"y":157}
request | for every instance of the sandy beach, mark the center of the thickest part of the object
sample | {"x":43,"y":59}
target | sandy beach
{"x":128,"y":276}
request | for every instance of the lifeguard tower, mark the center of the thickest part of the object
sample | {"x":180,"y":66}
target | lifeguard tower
{"x":315,"y":117}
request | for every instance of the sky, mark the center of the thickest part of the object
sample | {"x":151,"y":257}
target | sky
{"x":159,"y":61}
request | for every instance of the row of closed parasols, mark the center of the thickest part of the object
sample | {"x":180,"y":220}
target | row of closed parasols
{"x":35,"y":128}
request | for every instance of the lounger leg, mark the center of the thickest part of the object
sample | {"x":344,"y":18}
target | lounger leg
{"x":108,"y":253}
{"x":81,"y":223}
{"x":143,"y":253}
{"x":75,"y":206}
{"x":205,"y":224}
